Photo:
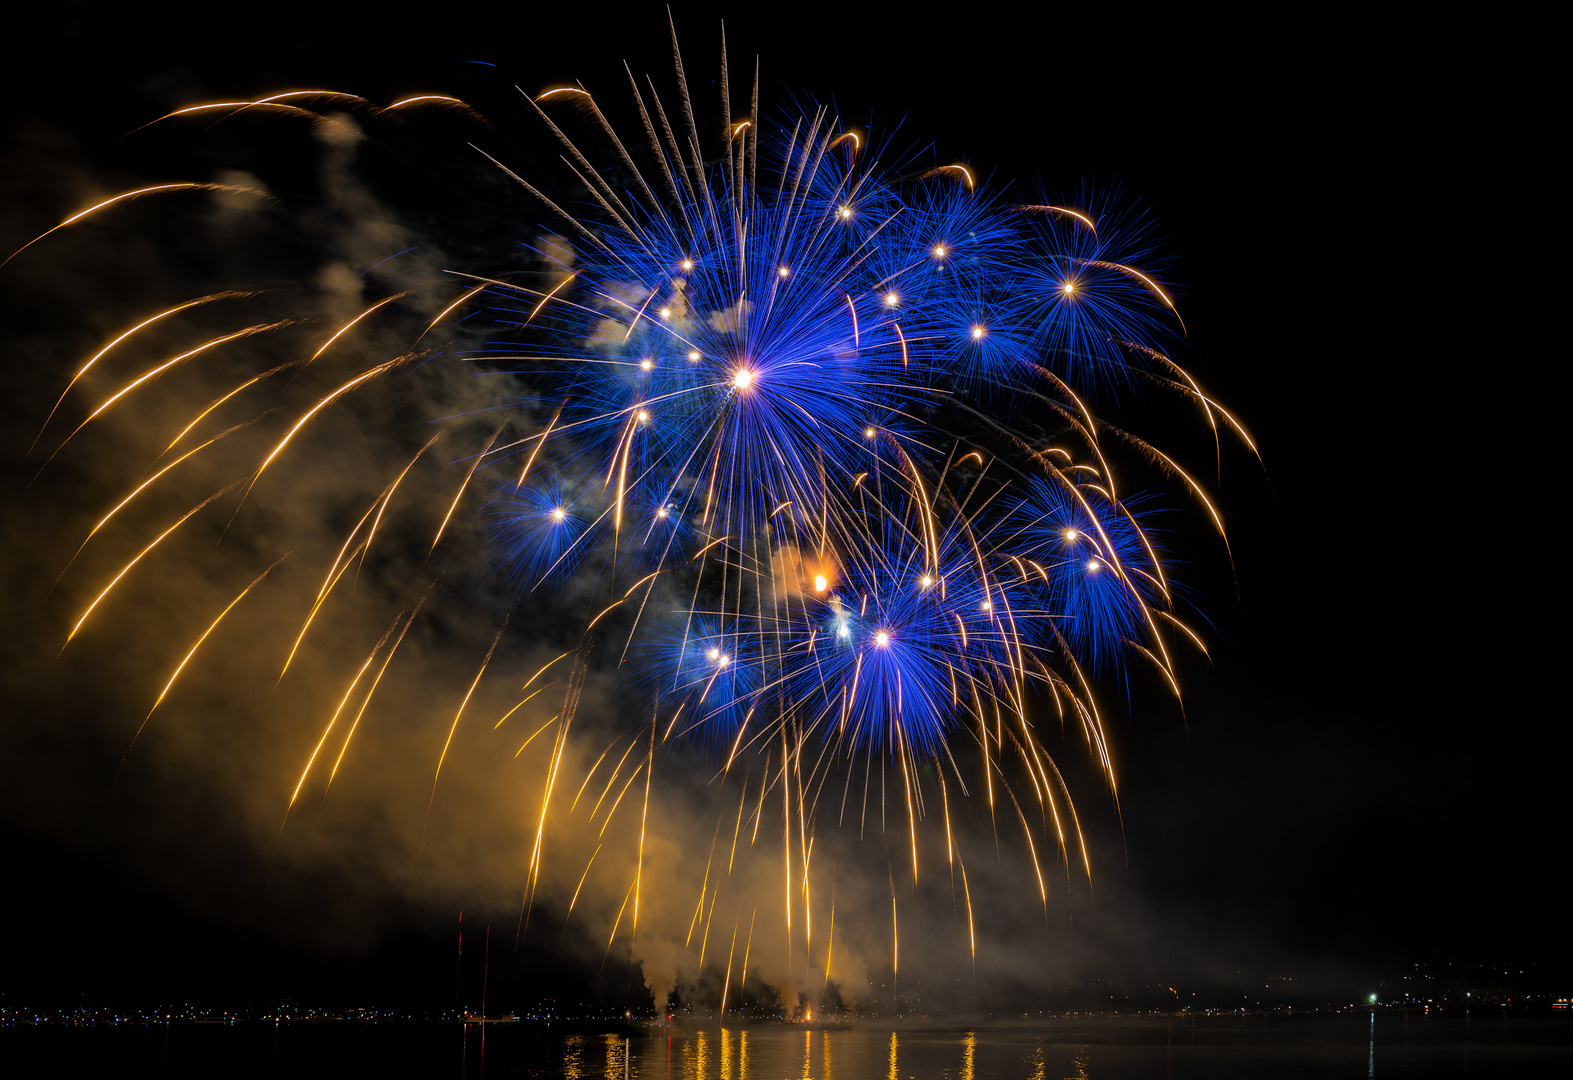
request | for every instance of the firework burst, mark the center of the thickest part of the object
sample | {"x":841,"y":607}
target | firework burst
{"x":790,"y":426}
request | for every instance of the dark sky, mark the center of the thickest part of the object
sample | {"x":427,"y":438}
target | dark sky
{"x":1366,"y":775}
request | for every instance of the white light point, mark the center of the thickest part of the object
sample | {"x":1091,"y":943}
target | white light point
{"x":977,"y":333}
{"x":882,"y":639}
{"x":820,"y":583}
{"x":666,"y":313}
{"x":842,"y":631}
{"x":784,"y":272}
{"x":558,"y":513}
{"x":939,"y":251}
{"x":988,"y":605}
{"x":644,"y":417}
{"x":661,"y":513}
{"x":646,"y":365}
{"x":927,"y":581}
{"x":725,"y":660}
{"x":846,"y":212}
{"x":688,"y":264}
{"x":743,"y":378}
{"x":868,"y":433}
{"x":1093,"y":566}
{"x":891,"y":299}
{"x":1068,"y":288}
{"x":1070,"y":535}
{"x":693,"y":357}
{"x":715,"y":654}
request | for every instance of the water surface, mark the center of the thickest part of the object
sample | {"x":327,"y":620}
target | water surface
{"x":1310,"y":1047}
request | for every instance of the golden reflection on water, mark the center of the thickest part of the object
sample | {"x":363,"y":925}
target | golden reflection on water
{"x":694,"y":1060}
{"x":697,"y":1063}
{"x":618,"y":1050}
{"x":707,"y":1055}
{"x":1039,"y":1066}
{"x":573,"y":1057}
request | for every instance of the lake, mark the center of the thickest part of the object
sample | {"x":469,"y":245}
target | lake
{"x":1301,"y":1047}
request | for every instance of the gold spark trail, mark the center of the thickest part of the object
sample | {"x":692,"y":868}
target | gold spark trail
{"x":355,"y":724}
{"x":350,"y":325}
{"x":466,"y":483}
{"x":162,"y":694}
{"x":455,"y":727}
{"x":727,"y":984}
{"x":644,"y":817}
{"x":137,"y":194}
{"x":96,"y":357}
{"x":153,"y":373}
{"x":533,"y":734}
{"x":138,"y":558}
{"x":515,"y":709}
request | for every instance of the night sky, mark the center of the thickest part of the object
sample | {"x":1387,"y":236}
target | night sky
{"x":1365,"y":776}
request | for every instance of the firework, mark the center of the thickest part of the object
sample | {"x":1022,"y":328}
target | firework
{"x":793,"y":428}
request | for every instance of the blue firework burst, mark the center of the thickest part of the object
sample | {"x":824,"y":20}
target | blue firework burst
{"x":780,"y":372}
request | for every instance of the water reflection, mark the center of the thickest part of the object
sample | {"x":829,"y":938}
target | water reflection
{"x":1236,"y":1048}
{"x":1039,"y":1065}
{"x":617,"y":1062}
{"x":573,"y":1057}
{"x":1370,"y":1069}
{"x":1064,"y":1048}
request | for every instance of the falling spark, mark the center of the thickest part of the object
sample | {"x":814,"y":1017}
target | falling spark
{"x":162,"y":694}
{"x":137,"y":194}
